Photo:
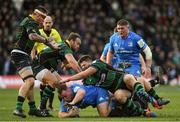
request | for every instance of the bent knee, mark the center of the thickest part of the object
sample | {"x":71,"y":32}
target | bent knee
{"x":30,"y":81}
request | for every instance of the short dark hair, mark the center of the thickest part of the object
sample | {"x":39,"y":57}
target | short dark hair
{"x":122,"y":22}
{"x":73,"y":36}
{"x":61,"y":87}
{"x":42,"y":9}
{"x":84,"y":58}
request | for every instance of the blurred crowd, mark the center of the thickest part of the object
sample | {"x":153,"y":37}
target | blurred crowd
{"x":157,"y":21}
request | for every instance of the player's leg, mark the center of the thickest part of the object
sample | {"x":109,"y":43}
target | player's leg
{"x":153,"y":93}
{"x":123,"y":97}
{"x":22,"y":62}
{"x":102,"y":102}
{"x":41,"y":87}
{"x":103,"y":109}
{"x":51,"y":98}
{"x":137,"y":87}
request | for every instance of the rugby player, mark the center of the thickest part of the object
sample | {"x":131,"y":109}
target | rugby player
{"x":26,"y":37}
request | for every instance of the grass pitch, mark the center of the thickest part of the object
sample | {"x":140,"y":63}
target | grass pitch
{"x":171,"y":112}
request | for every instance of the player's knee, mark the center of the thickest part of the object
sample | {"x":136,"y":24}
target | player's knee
{"x":128,"y":77}
{"x":104,"y":114}
{"x":30,"y":81}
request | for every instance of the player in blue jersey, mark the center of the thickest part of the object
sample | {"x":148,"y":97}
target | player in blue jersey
{"x":127,"y":46}
{"x":104,"y":54}
{"x":82,"y":97}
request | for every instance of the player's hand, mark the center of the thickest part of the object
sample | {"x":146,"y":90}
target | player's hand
{"x":74,"y":112}
{"x":147,"y":72}
{"x":64,"y":81}
{"x":52,"y":44}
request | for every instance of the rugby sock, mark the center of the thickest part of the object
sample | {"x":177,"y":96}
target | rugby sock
{"x":51,"y":97}
{"x":42,"y":87}
{"x":153,"y":93}
{"x":46,"y":93}
{"x":138,"y":87}
{"x":140,"y":92}
{"x":32,"y":105}
{"x":153,"y":82}
{"x":131,"y":106}
{"x":19,"y":103}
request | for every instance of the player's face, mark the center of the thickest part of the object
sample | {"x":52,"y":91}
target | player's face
{"x":123,"y":30}
{"x":40,"y":18}
{"x":67,"y":95}
{"x":76,"y":44}
{"x":84,"y":65}
{"x":48,"y":23}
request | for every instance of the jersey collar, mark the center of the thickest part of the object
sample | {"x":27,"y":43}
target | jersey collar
{"x":68,"y":43}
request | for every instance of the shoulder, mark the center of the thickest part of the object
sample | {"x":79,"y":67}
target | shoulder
{"x":107,"y":45}
{"x":114,"y":35}
{"x":134,"y":36}
{"x":76,"y":87}
{"x":54,"y":30}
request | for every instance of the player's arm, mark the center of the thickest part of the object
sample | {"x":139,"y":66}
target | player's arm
{"x":34,"y":52}
{"x":109,"y":57}
{"x":103,"y":58}
{"x":148,"y":54}
{"x":65,"y":112}
{"x":78,"y":97}
{"x":81,"y":75}
{"x":72,"y":62}
{"x":110,"y":52}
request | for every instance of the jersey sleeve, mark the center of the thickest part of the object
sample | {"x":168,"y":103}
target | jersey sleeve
{"x":96,"y":64}
{"x":65,"y":50}
{"x":141,"y":43}
{"x":105,"y":50}
{"x":31,"y":27}
{"x":111,"y":41}
{"x":76,"y":87}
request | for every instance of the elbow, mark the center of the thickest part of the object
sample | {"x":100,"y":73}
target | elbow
{"x":32,"y":36}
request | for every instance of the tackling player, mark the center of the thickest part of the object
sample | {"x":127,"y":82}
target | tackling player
{"x":47,"y":31}
{"x":103,"y":75}
{"x":48,"y":60}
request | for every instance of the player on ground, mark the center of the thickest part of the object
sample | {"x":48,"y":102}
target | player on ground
{"x":103,"y":75}
{"x":83,"y":96}
{"x":27,"y":35}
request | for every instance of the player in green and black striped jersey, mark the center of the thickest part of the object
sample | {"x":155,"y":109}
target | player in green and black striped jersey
{"x":27,"y":35}
{"x":48,"y":60}
{"x":103,"y":75}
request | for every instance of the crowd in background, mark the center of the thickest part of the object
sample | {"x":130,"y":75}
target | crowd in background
{"x":157,"y":21}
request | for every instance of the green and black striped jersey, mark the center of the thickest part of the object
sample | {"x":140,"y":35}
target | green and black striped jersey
{"x":22,"y":41}
{"x":105,"y":77}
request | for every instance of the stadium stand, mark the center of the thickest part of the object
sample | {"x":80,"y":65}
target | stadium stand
{"x":156,"y":20}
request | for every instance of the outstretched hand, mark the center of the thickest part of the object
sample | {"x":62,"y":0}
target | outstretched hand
{"x":64,"y":81}
{"x":52,"y":44}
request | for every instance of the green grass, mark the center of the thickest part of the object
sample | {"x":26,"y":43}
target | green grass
{"x":170,"y":112}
